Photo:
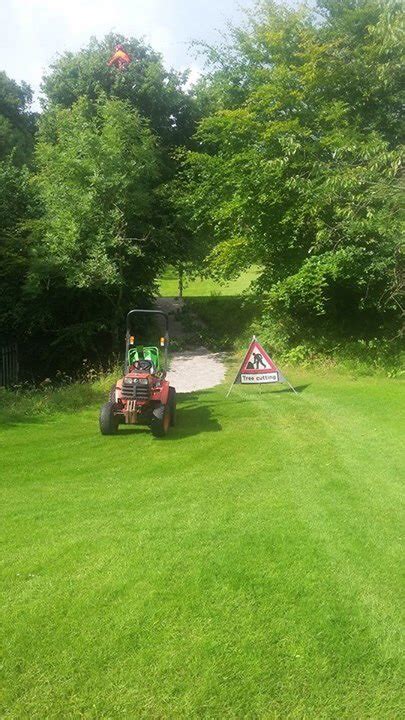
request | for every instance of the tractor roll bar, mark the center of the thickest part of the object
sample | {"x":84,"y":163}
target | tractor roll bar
{"x":166,"y":335}
{"x":149,"y":312}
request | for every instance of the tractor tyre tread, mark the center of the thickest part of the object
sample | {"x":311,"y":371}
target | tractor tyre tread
{"x":172,"y":406}
{"x":157,"y":425}
{"x":108,"y":421}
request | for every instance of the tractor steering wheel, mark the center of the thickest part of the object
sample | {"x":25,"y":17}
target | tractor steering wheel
{"x":142,"y":365}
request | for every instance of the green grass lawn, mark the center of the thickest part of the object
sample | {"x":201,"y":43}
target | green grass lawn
{"x":203,"y":287}
{"x":248,"y":566}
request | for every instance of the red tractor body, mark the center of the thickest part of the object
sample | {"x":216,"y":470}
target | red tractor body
{"x":142,"y":395}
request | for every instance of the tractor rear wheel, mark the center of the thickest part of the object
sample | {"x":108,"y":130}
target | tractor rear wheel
{"x":172,"y":406}
{"x":160,"y":422}
{"x":108,"y":421}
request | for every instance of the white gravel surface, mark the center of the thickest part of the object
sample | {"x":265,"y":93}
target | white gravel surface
{"x":196,"y":370}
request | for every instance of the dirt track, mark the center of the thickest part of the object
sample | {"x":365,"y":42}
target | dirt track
{"x":194,"y":369}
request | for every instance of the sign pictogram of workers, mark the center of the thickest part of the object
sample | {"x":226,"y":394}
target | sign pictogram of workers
{"x":258,"y":368}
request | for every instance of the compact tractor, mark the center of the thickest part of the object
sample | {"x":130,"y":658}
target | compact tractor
{"x":143,"y":396}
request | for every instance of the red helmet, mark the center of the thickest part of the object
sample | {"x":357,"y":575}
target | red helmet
{"x":119,"y":47}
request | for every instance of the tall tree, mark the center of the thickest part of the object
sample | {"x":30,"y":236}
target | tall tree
{"x":159,"y":97}
{"x":93,"y":252}
{"x":17,"y":126}
{"x":15,"y":201}
{"x":295,"y":172}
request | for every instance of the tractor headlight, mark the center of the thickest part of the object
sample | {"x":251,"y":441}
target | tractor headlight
{"x":142,"y":381}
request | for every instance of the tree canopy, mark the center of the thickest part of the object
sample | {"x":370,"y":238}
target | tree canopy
{"x":17,"y":122}
{"x":286,"y":155}
{"x":95,"y":226}
{"x":298,"y":169}
{"x":97,"y":165}
{"x":93,"y":240}
{"x":17,"y":129}
{"x":156,"y":93}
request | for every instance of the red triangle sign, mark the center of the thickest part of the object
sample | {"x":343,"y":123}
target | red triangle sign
{"x":257,"y":361}
{"x":258,"y":368}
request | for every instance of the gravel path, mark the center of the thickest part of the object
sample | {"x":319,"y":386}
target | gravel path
{"x":194,"y":369}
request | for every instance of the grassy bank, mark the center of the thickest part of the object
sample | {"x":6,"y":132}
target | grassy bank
{"x":197,"y":286}
{"x":219,"y":323}
{"x":247,"y":566}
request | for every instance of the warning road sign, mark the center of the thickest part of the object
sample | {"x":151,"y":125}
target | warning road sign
{"x":258,"y":368}
{"x":257,"y":364}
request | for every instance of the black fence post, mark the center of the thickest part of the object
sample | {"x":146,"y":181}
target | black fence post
{"x":9,"y":365}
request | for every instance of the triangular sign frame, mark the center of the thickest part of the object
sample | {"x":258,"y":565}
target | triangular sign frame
{"x":258,"y":368}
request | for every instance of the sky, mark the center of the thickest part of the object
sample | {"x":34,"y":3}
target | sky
{"x":35,"y":31}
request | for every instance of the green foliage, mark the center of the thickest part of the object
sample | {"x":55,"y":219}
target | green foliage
{"x":224,"y":322}
{"x":295,"y":168}
{"x":14,"y":195}
{"x":96,"y":170}
{"x":152,"y":91}
{"x":155,"y":92}
{"x":92,"y":250}
{"x":15,"y":202}
{"x":97,"y":231}
{"x":43,"y":403}
{"x":219,"y":322}
{"x":366,"y":41}
{"x":17,"y":123}
{"x":298,"y":171}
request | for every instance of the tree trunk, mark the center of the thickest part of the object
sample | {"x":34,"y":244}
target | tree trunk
{"x":181,"y":273}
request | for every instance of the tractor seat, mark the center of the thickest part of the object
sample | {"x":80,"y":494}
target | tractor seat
{"x":145,"y":354}
{"x":143,"y":365}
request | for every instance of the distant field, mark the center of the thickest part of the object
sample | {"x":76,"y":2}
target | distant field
{"x":202,"y":287}
{"x":248,"y":566}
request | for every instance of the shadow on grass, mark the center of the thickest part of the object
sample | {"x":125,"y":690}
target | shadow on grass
{"x":194,"y":415}
{"x":254,"y":390}
{"x":192,"y":418}
{"x":298,"y":389}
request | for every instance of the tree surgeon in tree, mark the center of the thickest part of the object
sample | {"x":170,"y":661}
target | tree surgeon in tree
{"x":120,"y":59}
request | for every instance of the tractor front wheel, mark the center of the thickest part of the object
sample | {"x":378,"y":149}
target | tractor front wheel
{"x":160,"y":423}
{"x":108,"y":421}
{"x":172,"y":406}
